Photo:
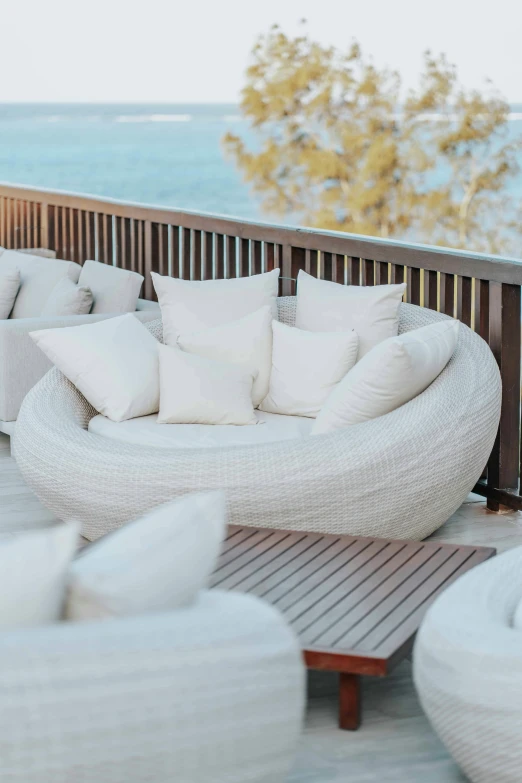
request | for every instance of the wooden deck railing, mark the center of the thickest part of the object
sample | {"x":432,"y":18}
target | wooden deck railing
{"x":483,"y":291}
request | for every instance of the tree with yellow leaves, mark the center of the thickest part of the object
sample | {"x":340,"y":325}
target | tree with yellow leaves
{"x":339,"y":149}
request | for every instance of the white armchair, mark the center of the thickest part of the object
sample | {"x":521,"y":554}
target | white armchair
{"x":209,"y":694}
{"x":22,"y":364}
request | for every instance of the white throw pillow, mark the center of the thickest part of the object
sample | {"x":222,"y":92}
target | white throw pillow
{"x":9,"y":285}
{"x":197,"y":390}
{"x":155,"y":564}
{"x":68,"y":298}
{"x":38,"y":276}
{"x":114,"y":290}
{"x":373,"y":311}
{"x":246,"y":342}
{"x":33,"y":575}
{"x":190,"y":306}
{"x":391,"y":374}
{"x":113,"y":363}
{"x":306,"y":366}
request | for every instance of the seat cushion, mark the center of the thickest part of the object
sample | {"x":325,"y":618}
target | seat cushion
{"x":145,"y":431}
{"x":38,"y":277}
{"x":114,"y":290}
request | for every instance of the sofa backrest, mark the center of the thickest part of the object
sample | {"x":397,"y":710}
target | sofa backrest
{"x":38,"y":278}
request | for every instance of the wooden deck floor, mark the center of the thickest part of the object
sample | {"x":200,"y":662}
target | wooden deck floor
{"x":395,"y":743}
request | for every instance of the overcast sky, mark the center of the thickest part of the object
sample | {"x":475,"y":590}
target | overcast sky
{"x":197,"y":50}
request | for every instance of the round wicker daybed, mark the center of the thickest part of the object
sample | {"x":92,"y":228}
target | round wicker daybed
{"x":399,"y":476}
{"x":468,"y":669}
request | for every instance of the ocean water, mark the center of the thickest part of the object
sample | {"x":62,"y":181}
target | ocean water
{"x":158,"y":154}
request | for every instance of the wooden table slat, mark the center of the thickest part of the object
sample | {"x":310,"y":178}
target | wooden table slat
{"x":354,"y":602}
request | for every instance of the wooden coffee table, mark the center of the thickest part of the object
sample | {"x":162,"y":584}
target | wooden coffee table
{"x":355,"y":603}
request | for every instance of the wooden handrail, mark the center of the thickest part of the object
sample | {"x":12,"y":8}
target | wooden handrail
{"x":439,"y":259}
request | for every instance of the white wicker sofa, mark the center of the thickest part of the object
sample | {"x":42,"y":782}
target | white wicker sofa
{"x":468,"y":669}
{"x":212,"y":693}
{"x":22,"y":364}
{"x":401,"y":475}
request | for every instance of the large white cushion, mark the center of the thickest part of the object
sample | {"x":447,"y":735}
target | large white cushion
{"x":145,"y":431}
{"x":114,"y":290}
{"x":306,"y":366}
{"x":190,"y":306}
{"x":113,"y":363}
{"x":68,"y":298}
{"x":197,"y":390}
{"x":38,"y":276}
{"x":154,"y":564}
{"x":393,"y":373}
{"x":9,"y":285}
{"x":33,"y":572}
{"x":373,"y":311}
{"x":246,"y":342}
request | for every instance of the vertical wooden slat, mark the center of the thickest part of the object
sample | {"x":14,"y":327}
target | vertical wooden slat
{"x":65,"y":237}
{"x":464,"y":300}
{"x":219,"y":256}
{"x":243,"y":257}
{"x":269,"y":257}
{"x":504,"y":463}
{"x":256,"y":266}
{"x":312,"y":263}
{"x":9,"y":224}
{"x":368,"y":269}
{"x":397,"y":274}
{"x":431,"y":289}
{"x":174,"y":251}
{"x":195,"y":255}
{"x":37,"y":225}
{"x":163,"y":266}
{"x":2,"y":222}
{"x":447,"y":294}
{"x":355,"y":271}
{"x":232,"y":265}
{"x":207,"y":260}
{"x":22,"y":224}
{"x":482,"y":308}
{"x":382,"y":269}
{"x":326,"y":266}
{"x":413,"y":290}
{"x":297,"y":263}
{"x":185,"y":254}
{"x":338,"y":268}
{"x":147,"y":250}
{"x":72,"y":236}
{"x":90,"y":235}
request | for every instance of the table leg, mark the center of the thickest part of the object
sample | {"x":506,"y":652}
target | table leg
{"x":349,"y":701}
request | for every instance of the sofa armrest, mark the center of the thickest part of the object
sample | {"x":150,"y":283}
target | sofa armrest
{"x":22,"y":363}
{"x":212,"y":693}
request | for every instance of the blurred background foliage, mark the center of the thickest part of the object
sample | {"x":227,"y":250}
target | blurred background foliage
{"x":341,"y":146}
